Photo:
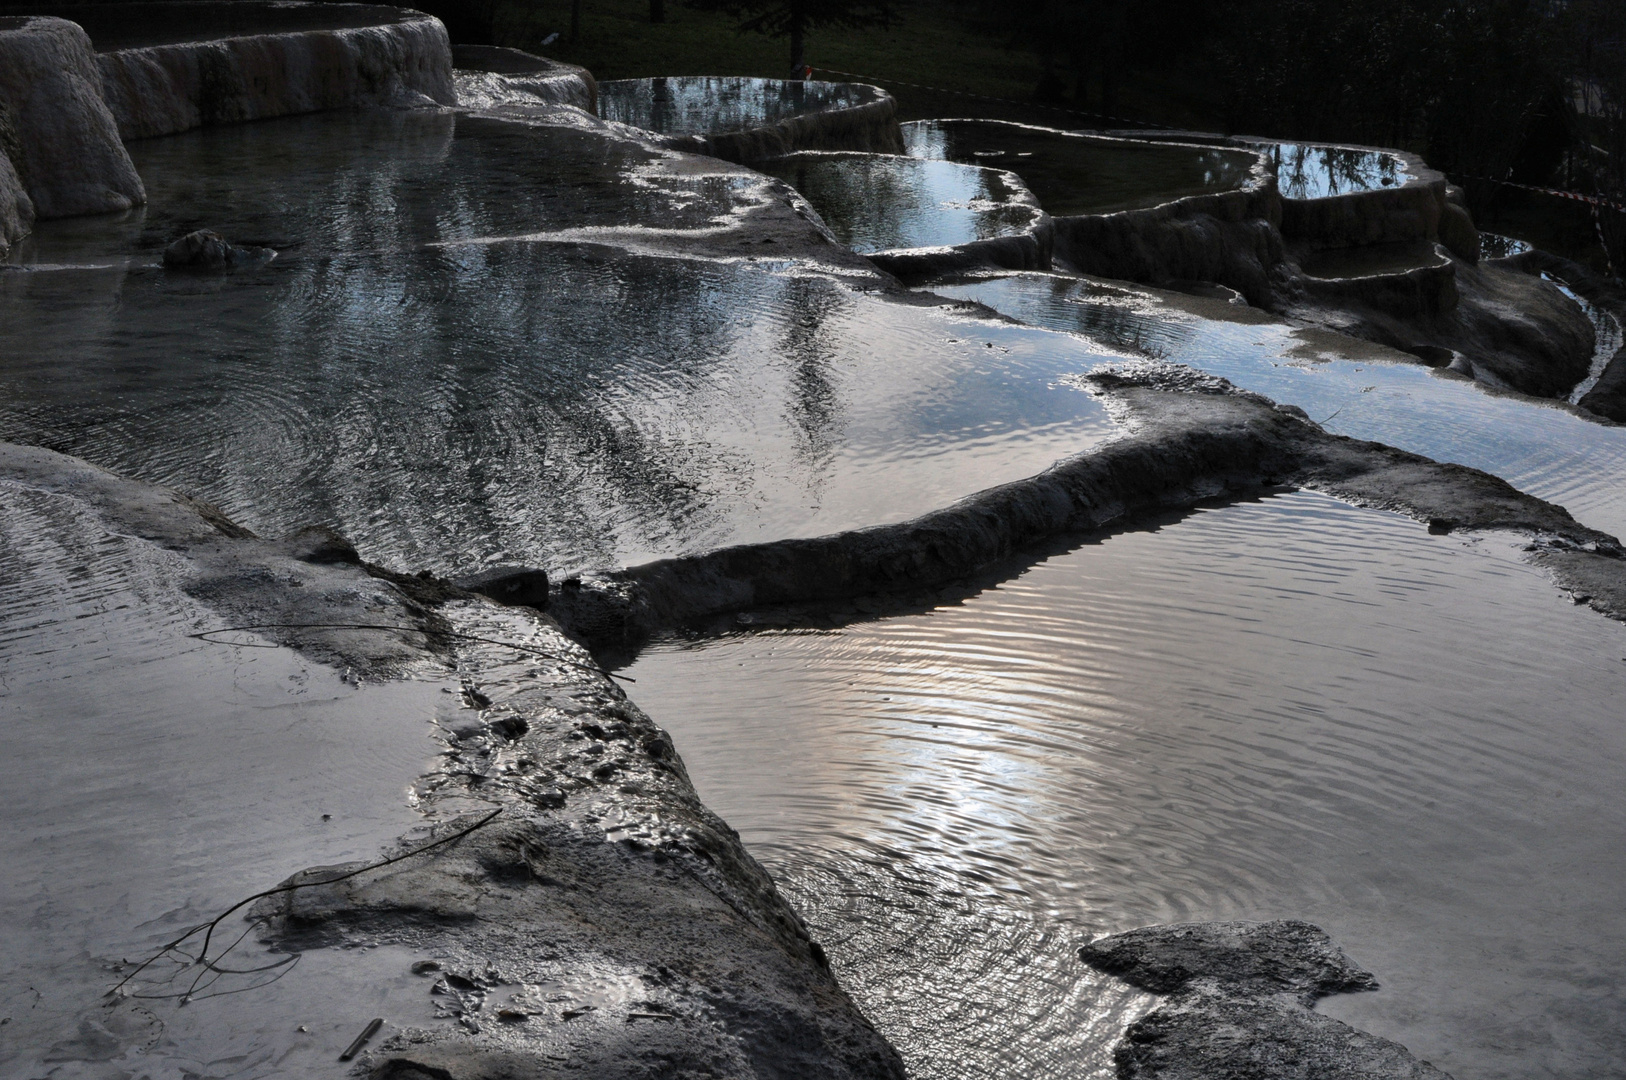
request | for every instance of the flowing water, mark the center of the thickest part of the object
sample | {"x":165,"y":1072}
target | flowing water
{"x":1292,"y":708}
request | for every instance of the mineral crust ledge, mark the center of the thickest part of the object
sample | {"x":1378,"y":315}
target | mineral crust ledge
{"x":1190,"y":438}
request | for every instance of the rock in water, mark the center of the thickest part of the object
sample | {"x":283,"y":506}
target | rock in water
{"x":1239,"y":1006}
{"x":509,"y":585}
{"x":69,"y":155}
{"x":16,"y":208}
{"x":206,"y":250}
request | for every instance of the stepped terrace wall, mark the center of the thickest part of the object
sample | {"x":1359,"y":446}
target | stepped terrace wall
{"x":173,"y":66}
{"x":61,"y":145}
{"x":750,"y":120}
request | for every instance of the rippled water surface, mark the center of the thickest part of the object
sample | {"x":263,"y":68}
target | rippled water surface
{"x":423,"y":371}
{"x":1293,"y":708}
{"x":1082,"y":174}
{"x":1350,"y":387}
{"x":877,"y":202}
{"x":152,"y":780}
{"x":706,"y":104}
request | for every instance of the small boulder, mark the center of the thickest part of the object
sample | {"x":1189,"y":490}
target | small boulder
{"x":320,"y":544}
{"x":511,"y":585}
{"x":207,"y":250}
{"x":1239,"y":1005}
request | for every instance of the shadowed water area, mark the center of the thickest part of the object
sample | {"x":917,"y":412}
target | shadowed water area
{"x":713,"y":105}
{"x":879,"y":202}
{"x":1082,"y":174}
{"x":430,"y":367}
{"x":1287,"y":708}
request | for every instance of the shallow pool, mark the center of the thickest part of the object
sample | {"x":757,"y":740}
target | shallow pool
{"x":715,"y":105}
{"x":881,"y":202}
{"x":1071,"y":173}
{"x":427,"y":367}
{"x":1291,"y":708}
{"x":1319,"y":172}
{"x":154,"y":779}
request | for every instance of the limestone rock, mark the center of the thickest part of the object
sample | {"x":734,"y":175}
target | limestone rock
{"x":1254,"y":958}
{"x":16,"y":208}
{"x":69,"y":156}
{"x":521,"y":585}
{"x":294,"y":64}
{"x":206,"y":250}
{"x":1223,"y":1037}
{"x":1239,"y":1006}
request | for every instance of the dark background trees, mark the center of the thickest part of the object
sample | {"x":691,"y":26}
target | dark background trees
{"x":1531,"y":91}
{"x":794,"y":19}
{"x":1477,"y":84}
{"x":1489,"y":91}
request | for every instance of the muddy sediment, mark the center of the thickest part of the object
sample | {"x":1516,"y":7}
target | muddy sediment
{"x":1191,"y":438}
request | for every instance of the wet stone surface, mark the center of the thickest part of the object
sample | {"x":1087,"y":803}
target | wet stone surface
{"x":1239,"y":1005}
{"x":552,"y":869}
